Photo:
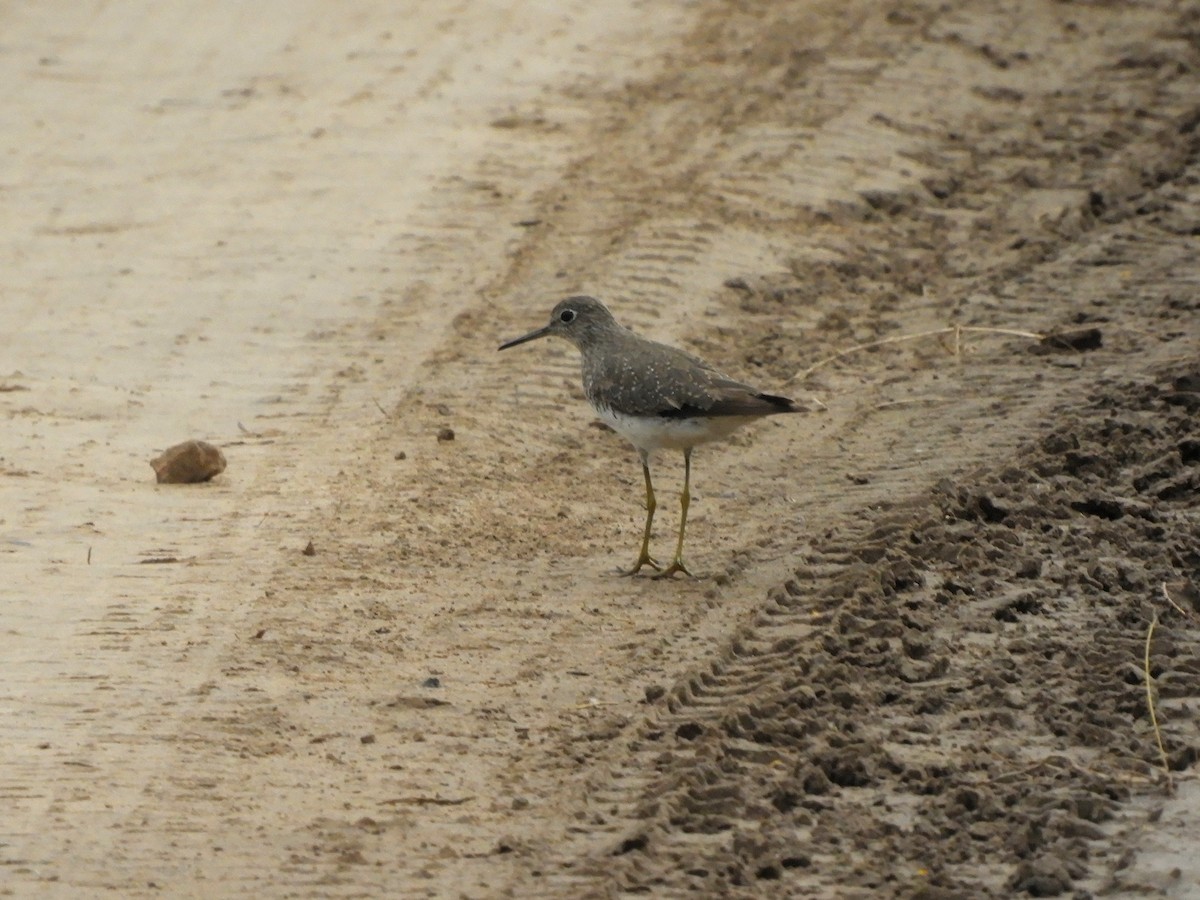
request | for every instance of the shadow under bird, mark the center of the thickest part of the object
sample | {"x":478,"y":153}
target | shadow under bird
{"x":655,"y":396}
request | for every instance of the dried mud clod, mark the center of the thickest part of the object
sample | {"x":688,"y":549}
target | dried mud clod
{"x":1071,"y":340}
{"x":188,"y":463}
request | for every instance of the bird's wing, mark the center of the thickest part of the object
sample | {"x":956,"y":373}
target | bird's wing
{"x":677,"y":385}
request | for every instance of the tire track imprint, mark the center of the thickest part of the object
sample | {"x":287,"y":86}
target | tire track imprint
{"x":746,"y":759}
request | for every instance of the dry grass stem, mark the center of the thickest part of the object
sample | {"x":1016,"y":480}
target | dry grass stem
{"x":1162,"y":751}
{"x":955,"y":331}
{"x":1062,"y":764}
{"x":1179,"y":609}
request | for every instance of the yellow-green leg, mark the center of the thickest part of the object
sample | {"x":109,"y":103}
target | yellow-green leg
{"x":644,"y":558}
{"x":685,"y":499}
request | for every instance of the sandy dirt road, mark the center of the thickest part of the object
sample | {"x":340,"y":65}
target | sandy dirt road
{"x":913,"y":662}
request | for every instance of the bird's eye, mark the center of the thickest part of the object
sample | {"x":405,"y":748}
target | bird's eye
{"x":567,"y":316}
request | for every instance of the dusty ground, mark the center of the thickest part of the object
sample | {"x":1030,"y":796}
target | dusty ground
{"x":914,"y":661}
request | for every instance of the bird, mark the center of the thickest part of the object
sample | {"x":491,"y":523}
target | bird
{"x":655,"y":396}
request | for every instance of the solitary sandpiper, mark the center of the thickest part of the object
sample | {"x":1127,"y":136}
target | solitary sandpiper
{"x":656,"y":396}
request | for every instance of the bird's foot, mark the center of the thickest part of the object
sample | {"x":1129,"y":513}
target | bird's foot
{"x":644,"y":560}
{"x":676,"y":566}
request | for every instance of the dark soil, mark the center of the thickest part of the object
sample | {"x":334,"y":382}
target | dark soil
{"x":948,"y":698}
{"x":952,"y":702}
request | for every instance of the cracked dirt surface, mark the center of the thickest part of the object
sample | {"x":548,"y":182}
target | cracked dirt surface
{"x":913,"y":662}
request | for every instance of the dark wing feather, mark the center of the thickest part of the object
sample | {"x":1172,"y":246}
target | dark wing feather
{"x":736,"y":399}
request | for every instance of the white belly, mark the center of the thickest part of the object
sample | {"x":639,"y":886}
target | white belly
{"x":657,"y":433}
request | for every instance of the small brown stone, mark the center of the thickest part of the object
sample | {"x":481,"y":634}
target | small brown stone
{"x":188,"y":463}
{"x":445,"y":434}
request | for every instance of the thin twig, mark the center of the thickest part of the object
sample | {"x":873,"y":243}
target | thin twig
{"x":1162,"y":751}
{"x":1167,"y":596}
{"x":427,"y":801}
{"x":907,"y":401}
{"x":593,"y":703}
{"x":955,"y":330}
{"x":1051,"y":763}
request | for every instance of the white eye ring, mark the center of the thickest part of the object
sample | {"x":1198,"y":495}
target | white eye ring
{"x":567,"y":316}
